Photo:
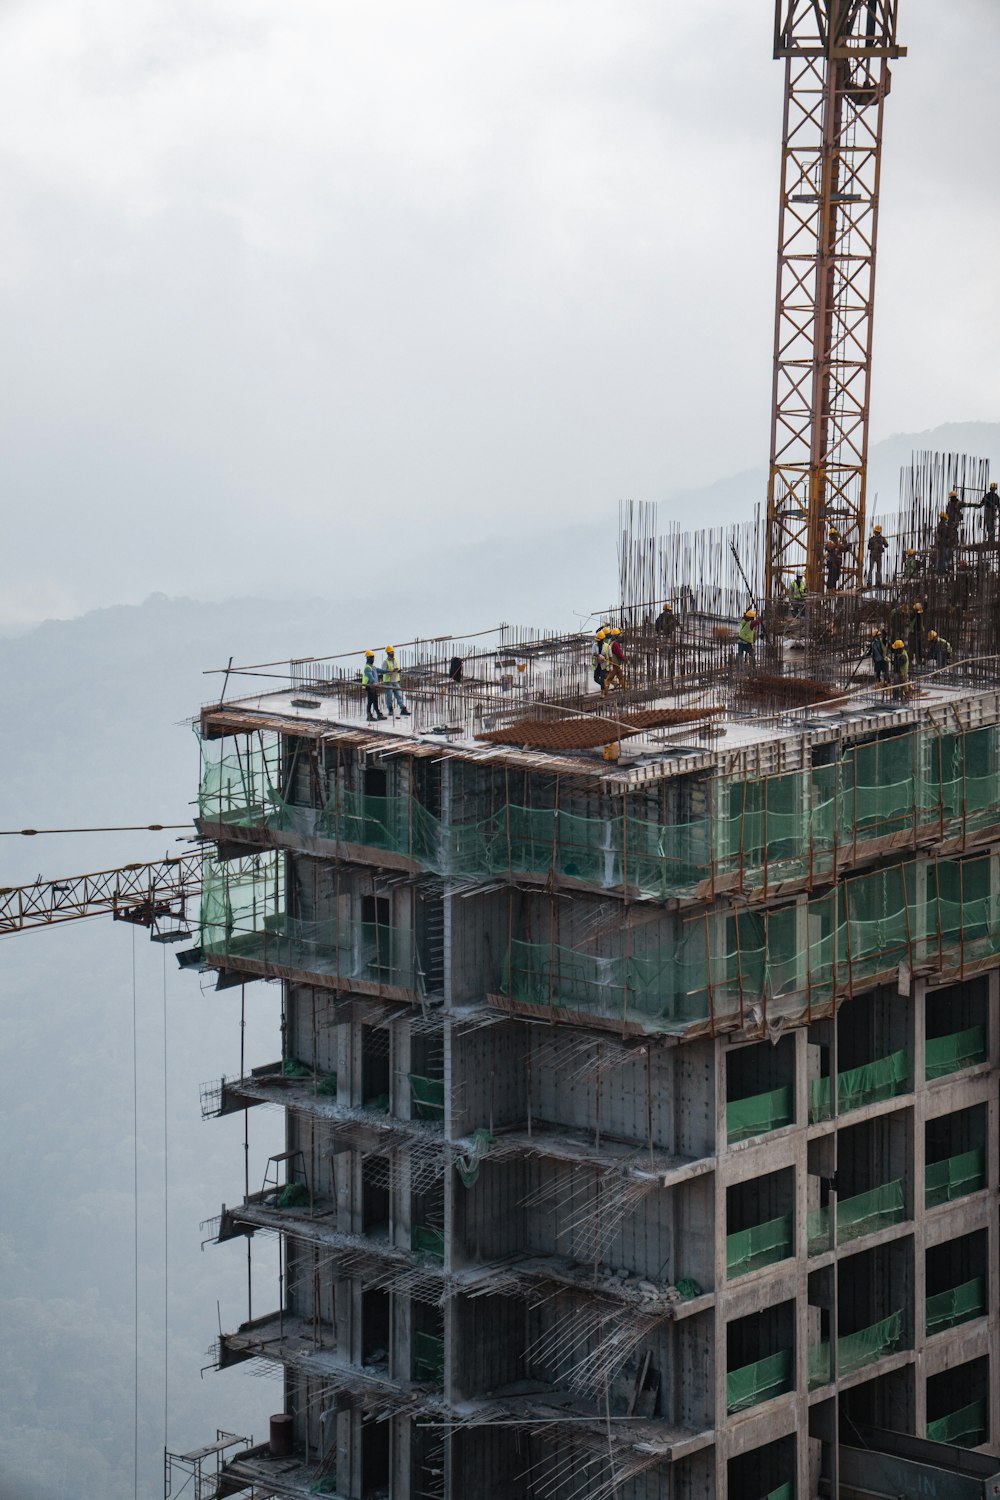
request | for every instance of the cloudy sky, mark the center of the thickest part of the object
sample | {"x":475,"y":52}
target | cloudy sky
{"x":293,"y":293}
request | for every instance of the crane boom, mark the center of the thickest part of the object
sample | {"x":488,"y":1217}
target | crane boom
{"x":836,"y":55}
{"x":142,"y":894}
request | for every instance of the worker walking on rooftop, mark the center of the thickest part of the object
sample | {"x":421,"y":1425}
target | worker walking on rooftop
{"x":877,"y":548}
{"x":391,"y":676}
{"x":616,"y":661}
{"x":990,"y":502}
{"x":370,"y":680}
{"x":747,"y":636}
{"x":666,"y":632}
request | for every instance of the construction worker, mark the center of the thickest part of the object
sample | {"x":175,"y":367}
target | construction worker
{"x":877,"y":548}
{"x":939,"y":652}
{"x":915,"y":633}
{"x":666,"y":630}
{"x":877,"y":651}
{"x":834,"y":559}
{"x":599,"y":660}
{"x":954,"y":513}
{"x":747,"y":635}
{"x":989,"y":503}
{"x":370,"y":680}
{"x":912,"y":564}
{"x":616,"y":661}
{"x":900,"y":663}
{"x":797,"y":594}
{"x":391,"y":676}
{"x":944,"y":542}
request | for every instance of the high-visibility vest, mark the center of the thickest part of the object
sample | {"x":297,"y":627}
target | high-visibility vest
{"x":369,"y":676}
{"x":798,"y":590}
{"x":390,"y":669}
{"x":746,"y":631}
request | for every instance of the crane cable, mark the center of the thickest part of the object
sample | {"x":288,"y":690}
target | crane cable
{"x":112,"y":828}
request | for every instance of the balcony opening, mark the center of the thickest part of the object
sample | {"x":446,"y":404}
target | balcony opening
{"x":375,"y":1197}
{"x":375,"y":1459}
{"x":760,"y":1222}
{"x":760,"y":1357}
{"x":760,"y":1089}
{"x":888,"y":1402}
{"x":376,"y":1308}
{"x":766,"y":1473}
{"x":957,"y":1282}
{"x":874,"y":1049}
{"x":376,"y":1068}
{"x":874,"y":1306}
{"x":872,"y":1180}
{"x":956,"y":1028}
{"x":955,"y":1156}
{"x":958,"y":1405}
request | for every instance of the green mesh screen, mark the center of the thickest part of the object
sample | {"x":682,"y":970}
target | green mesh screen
{"x":427,"y":1241}
{"x":428,"y":1358}
{"x":855,"y":1350}
{"x":748,"y":1249}
{"x":954,"y":1177}
{"x":946,"y":1309}
{"x":427,"y":1096}
{"x":242,"y":787}
{"x":865,"y":1213}
{"x":947,"y":1054}
{"x":758,"y":1114}
{"x":759,"y":1382}
{"x":965,"y":1428}
{"x":857,"y":1086}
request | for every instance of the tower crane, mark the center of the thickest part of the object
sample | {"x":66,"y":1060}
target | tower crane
{"x":837,"y":55}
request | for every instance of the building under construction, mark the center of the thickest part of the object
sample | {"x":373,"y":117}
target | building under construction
{"x":637,"y":1053}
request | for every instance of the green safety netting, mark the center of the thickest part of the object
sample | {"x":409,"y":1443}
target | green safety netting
{"x":775,"y":828}
{"x":427,"y":1095}
{"x":428,"y":1358}
{"x":947,"y":1309}
{"x":965,"y":1428}
{"x":758,"y":1114}
{"x":872,"y":1081}
{"x":947,"y":1054}
{"x":954,"y":1177}
{"x":762,"y":1245}
{"x":854,"y":1350}
{"x":760,"y":1381}
{"x":427,"y":1241}
{"x":865,"y":1213}
{"x":467,"y":1166}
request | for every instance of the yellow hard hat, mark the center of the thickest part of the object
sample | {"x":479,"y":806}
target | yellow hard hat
{"x":615,"y":631}
{"x":910,"y":552}
{"x":932,"y":635}
{"x":877,"y":528}
{"x":953,"y":494}
{"x":897,"y":646}
{"x":601,"y":635}
{"x":370,"y":653}
{"x":751,"y":614}
{"x":390,"y":650}
{"x":668,"y":609}
{"x":993,"y":485}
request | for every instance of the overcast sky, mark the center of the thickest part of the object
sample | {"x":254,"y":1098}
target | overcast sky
{"x":291,"y":292}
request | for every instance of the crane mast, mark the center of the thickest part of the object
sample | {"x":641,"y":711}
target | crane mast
{"x":837,"y":55}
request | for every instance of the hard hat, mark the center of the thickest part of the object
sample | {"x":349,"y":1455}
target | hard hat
{"x":993,"y":485}
{"x":918,"y":608}
{"x":932,"y":635}
{"x":953,"y":494}
{"x":601,"y":634}
{"x":668,"y":609}
{"x":897,"y":646}
{"x":751,"y":614}
{"x":390,"y":650}
{"x":371,"y":654}
{"x":877,"y":528}
{"x":615,"y":631}
{"x":910,"y":552}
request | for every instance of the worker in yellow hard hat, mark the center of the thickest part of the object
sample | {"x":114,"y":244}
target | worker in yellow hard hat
{"x":391,"y":676}
{"x":599,"y":659}
{"x":877,"y":650}
{"x":939,"y":652}
{"x":900,"y":662}
{"x":747,"y":635}
{"x":877,"y":548}
{"x":945,"y":537}
{"x":834,"y":558}
{"x":370,"y":682}
{"x":915,"y":633}
{"x":912,"y":564}
{"x":616,"y":660}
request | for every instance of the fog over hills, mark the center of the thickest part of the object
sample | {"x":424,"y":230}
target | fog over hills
{"x":97,"y":731}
